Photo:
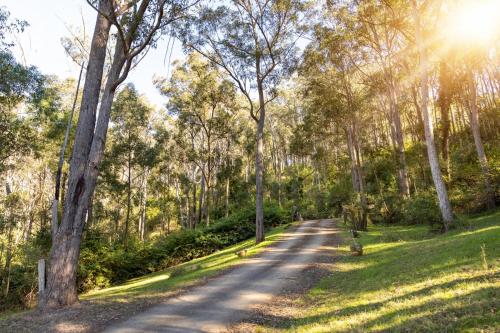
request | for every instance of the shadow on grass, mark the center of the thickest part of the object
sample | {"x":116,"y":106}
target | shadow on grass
{"x":469,"y":310}
{"x":190,"y":272}
{"x":417,"y":285}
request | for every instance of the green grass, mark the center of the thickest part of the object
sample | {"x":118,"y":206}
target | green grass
{"x":410,"y":281}
{"x":184,"y":274}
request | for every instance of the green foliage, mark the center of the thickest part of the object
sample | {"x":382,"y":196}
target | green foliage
{"x":23,"y":286}
{"x":17,"y":83}
{"x":422,"y":208}
{"x":408,"y":280}
{"x":102,"y":265}
{"x":9,"y":27}
{"x":467,"y":192}
{"x":340,"y":193}
{"x":386,"y":208}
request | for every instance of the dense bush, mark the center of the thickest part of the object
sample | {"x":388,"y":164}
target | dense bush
{"x":102,"y":265}
{"x":386,"y":208}
{"x":340,"y":194}
{"x":23,"y":283}
{"x":422,"y":208}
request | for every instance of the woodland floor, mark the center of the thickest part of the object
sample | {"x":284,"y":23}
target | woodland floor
{"x":408,"y":280}
{"x":305,"y":280}
{"x":285,"y":266}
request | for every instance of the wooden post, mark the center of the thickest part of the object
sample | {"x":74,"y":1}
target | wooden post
{"x":41,"y":276}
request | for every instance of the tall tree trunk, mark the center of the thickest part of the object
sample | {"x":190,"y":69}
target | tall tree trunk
{"x":201,"y":198}
{"x":8,"y":259}
{"x":208,"y":199}
{"x":404,"y":188}
{"x":359,"y":170}
{"x":61,"y":287}
{"x":227,"y":197}
{"x":445,"y":106}
{"x":357,"y":174}
{"x":144,"y":201}
{"x":280,"y":170}
{"x":2,"y":247}
{"x":179,"y":202}
{"x":350,"y":148}
{"x":476,"y":133}
{"x":55,"y":203}
{"x":90,"y":214}
{"x":420,"y":121}
{"x":88,"y":151}
{"x":247,"y":170}
{"x":259,"y":167}
{"x":444,"y":202}
{"x":129,"y":197}
{"x":61,"y":283}
{"x":63,"y":185}
{"x":193,"y":218}
{"x":188,"y":209}
{"x":31,"y":218}
{"x":8,"y":256}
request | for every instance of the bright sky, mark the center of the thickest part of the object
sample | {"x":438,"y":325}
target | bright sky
{"x":41,"y":42}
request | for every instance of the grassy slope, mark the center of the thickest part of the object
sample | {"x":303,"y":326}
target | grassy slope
{"x":184,"y":274}
{"x":411,"y":281}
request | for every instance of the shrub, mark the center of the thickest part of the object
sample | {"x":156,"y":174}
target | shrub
{"x":340,"y":193}
{"x":386,"y":208}
{"x":102,"y":265}
{"x":422,"y":208}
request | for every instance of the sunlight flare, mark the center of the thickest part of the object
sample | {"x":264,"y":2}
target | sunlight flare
{"x":476,"y":22}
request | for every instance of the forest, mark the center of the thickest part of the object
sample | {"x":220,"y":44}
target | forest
{"x":382,"y":115}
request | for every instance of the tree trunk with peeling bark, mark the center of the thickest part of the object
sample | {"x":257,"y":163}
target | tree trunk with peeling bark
{"x":404,"y":187}
{"x":55,"y":203}
{"x":259,"y":167}
{"x":61,"y":283}
{"x":445,"y":106}
{"x":444,"y":203}
{"x":476,"y":133}
{"x":129,"y":196}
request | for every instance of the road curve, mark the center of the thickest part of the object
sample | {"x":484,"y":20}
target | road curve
{"x":229,"y":298}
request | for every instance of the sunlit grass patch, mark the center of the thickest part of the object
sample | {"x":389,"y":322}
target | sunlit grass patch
{"x":410,"y":280}
{"x":184,"y":274}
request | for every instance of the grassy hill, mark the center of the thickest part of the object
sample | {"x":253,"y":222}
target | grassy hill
{"x":184,"y":274}
{"x":410,"y":281}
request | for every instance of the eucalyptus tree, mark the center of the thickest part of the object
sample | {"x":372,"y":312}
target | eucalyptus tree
{"x":138,"y":25}
{"x":130,"y":116}
{"x":471,"y":59}
{"x":334,"y":95}
{"x":478,"y":142}
{"x":204,"y":100}
{"x":376,"y":30}
{"x":254,"y":42}
{"x":18,"y":84}
{"x":442,"y":193}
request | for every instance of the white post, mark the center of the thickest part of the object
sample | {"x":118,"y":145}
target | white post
{"x":41,"y":276}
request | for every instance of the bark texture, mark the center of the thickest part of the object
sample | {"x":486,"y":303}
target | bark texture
{"x":476,"y":133}
{"x":444,"y":202}
{"x":259,"y":168}
{"x":61,"y":283}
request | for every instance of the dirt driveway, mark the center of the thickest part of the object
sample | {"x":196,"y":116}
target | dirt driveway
{"x":237,"y":295}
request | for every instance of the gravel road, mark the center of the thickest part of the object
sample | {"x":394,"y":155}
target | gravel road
{"x":233,"y":296}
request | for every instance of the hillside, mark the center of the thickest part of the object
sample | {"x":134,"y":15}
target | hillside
{"x":408,"y":280}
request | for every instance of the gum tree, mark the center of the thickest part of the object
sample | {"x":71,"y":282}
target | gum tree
{"x":254,"y":42}
{"x":138,"y":25}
